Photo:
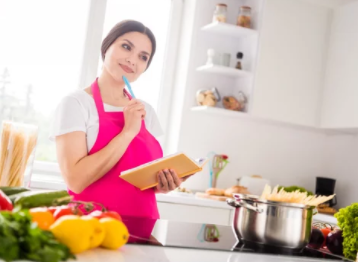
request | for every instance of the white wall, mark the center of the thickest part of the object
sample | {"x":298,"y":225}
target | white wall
{"x":291,"y":61}
{"x":340,"y":156}
{"x":285,"y":155}
{"x":340,"y":104}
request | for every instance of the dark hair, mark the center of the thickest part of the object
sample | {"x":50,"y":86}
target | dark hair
{"x":124,"y":27}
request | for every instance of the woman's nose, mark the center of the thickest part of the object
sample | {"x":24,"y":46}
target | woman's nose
{"x":131,"y":60}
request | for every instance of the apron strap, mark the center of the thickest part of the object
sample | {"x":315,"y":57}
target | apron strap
{"x":97,"y":97}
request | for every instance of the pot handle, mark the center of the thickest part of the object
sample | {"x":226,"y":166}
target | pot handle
{"x":243,"y":204}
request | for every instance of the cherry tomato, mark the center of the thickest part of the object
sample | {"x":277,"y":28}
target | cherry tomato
{"x":66,"y":210}
{"x":99,"y":214}
{"x":325,"y":231}
{"x":113,"y":214}
{"x":52,"y":209}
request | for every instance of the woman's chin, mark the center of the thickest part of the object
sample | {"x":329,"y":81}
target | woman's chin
{"x":118,"y":76}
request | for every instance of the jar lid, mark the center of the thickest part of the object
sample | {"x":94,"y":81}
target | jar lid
{"x":245,"y":7}
{"x":239,"y":55}
{"x":222,"y":5}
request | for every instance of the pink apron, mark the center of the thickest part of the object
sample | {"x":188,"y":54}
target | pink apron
{"x":110,"y":190}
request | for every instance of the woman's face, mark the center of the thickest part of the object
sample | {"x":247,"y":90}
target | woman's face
{"x":128,"y":56}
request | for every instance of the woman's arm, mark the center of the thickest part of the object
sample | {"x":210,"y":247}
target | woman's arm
{"x":80,"y":169}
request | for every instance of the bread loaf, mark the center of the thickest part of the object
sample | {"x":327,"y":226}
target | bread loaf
{"x":215,"y":191}
{"x":236,"y":190}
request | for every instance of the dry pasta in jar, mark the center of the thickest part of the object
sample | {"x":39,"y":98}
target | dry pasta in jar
{"x":17,"y":150}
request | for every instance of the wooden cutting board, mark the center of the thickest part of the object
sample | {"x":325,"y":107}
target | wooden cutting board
{"x":207,"y":196}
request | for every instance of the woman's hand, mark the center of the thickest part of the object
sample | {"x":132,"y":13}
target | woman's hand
{"x":168,"y":180}
{"x":134,"y":112}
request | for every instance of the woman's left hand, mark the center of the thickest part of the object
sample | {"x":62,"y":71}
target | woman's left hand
{"x":168,"y":180}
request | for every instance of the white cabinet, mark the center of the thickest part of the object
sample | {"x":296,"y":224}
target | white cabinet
{"x":289,"y":80}
{"x":340,"y":96}
{"x":194,"y":214}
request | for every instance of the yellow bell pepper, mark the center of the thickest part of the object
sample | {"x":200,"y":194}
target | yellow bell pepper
{"x":116,"y":233}
{"x":74,"y":232}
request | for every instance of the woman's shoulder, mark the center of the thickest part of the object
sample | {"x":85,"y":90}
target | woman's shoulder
{"x":78,"y":97}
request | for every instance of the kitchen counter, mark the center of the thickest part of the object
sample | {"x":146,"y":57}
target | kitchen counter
{"x":140,"y":253}
{"x":171,"y":241}
{"x":191,"y":199}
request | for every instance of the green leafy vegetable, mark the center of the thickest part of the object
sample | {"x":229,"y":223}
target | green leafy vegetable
{"x":22,"y":239}
{"x":295,"y":188}
{"x":348,"y":222}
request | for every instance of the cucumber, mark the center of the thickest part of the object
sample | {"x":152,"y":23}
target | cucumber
{"x":13,"y":197}
{"x":40,"y":199}
{"x":8,"y":190}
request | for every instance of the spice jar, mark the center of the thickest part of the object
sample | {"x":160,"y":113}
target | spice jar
{"x":239,"y":56}
{"x":220,"y":13}
{"x":244,"y":17}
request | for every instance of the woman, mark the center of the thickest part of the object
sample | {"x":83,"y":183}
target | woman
{"x":101,"y":131}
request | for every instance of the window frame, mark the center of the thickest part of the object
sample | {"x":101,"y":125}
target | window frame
{"x":89,"y":67}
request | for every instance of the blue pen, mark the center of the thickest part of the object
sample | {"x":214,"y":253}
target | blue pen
{"x":129,"y":86}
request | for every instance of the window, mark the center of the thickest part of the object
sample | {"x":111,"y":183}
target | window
{"x":45,"y":48}
{"x":41,"y":52}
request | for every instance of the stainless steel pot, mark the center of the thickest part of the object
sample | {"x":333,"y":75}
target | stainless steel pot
{"x":271,"y":223}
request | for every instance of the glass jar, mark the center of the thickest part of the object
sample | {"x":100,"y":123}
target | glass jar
{"x":220,"y":13}
{"x":244,"y":17}
{"x":17,"y":153}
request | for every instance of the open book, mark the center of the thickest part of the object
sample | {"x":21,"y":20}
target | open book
{"x":145,"y":176}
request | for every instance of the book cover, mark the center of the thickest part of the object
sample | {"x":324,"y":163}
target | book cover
{"x":145,"y":176}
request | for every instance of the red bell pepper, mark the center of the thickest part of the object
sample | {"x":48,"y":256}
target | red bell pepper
{"x":5,"y":202}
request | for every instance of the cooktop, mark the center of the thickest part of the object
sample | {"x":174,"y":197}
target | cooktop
{"x":147,"y":231}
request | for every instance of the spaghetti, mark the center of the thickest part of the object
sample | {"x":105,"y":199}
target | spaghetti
{"x":293,"y":197}
{"x":18,"y":142}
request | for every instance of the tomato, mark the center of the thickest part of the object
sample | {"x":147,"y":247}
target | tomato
{"x":52,"y":209}
{"x":113,"y":214}
{"x":326,"y":231}
{"x":66,"y":210}
{"x":99,"y":214}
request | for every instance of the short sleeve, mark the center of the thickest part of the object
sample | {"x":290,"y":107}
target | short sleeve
{"x":69,"y":117}
{"x":152,"y":123}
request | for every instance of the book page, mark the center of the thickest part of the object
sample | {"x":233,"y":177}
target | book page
{"x":152,"y":162}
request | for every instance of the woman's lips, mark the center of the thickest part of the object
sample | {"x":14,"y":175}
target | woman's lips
{"x":126,"y":69}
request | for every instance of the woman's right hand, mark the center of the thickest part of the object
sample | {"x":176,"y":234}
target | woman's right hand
{"x":134,"y":112}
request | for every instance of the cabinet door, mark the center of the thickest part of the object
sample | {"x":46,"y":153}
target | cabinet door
{"x":340,"y":101}
{"x":290,"y":66}
{"x":194,"y":214}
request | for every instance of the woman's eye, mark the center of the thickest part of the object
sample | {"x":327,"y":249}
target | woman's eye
{"x":144,"y":58}
{"x":125,"y":46}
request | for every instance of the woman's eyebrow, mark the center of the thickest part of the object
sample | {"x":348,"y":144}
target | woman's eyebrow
{"x":129,"y":42}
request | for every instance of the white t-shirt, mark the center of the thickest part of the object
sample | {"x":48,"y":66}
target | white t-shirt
{"x":77,"y":112}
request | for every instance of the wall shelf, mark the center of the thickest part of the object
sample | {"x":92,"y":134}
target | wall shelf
{"x":229,"y":30}
{"x":224,"y":70}
{"x":243,"y":115}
